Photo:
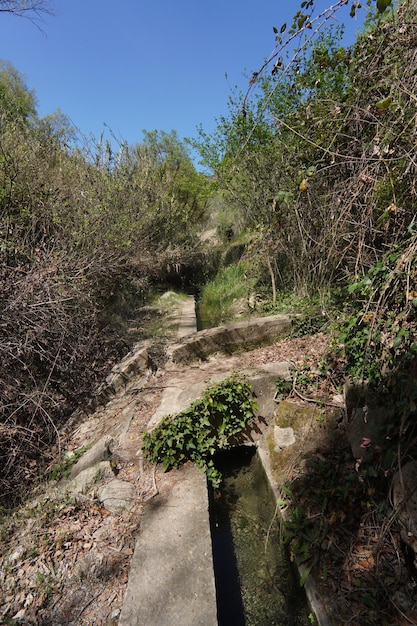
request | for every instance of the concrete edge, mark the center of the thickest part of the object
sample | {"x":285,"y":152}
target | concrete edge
{"x":171,"y":578}
{"x":228,"y":339}
{"x":310,"y":587}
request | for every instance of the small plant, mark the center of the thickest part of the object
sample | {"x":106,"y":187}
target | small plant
{"x":379,"y":337}
{"x":209,"y":424}
{"x":308,"y":324}
{"x":284,"y":388}
{"x":303,"y":380}
{"x":63,"y":469}
{"x":231,"y":285}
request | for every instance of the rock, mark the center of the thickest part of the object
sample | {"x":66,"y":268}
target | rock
{"x":283,"y":437}
{"x":117,"y":495}
{"x":88,"y":477}
{"x":102,"y":450}
{"x":228,"y":339}
{"x":369,"y":416}
{"x":94,"y":465}
{"x":135,"y":363}
{"x":263,"y":381}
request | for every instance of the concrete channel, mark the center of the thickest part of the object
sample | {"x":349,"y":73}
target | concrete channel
{"x":171,"y":580}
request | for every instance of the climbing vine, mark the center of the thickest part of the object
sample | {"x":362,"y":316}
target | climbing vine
{"x":380,"y":338}
{"x":211,"y":423}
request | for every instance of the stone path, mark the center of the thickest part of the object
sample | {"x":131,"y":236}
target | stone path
{"x":171,"y":579}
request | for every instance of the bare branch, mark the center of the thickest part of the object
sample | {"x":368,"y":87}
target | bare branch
{"x":32,"y":9}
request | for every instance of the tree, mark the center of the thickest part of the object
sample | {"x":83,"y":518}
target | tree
{"x":163,"y":188}
{"x":17,"y":102}
{"x":32,"y":9}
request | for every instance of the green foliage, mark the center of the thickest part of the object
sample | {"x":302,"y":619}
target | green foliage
{"x":283,"y":388}
{"x":379,"y":337}
{"x":382,"y":5}
{"x":63,"y":469}
{"x":17,"y":102}
{"x":209,"y":424}
{"x":231,"y":286}
{"x":288,"y":158}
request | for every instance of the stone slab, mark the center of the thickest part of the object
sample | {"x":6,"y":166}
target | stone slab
{"x":171,"y":580}
{"x":188,"y":321}
{"x":228,"y":339}
{"x":116,"y":495}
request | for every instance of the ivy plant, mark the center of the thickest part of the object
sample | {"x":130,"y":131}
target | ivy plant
{"x":380,"y":337}
{"x":212,"y":423}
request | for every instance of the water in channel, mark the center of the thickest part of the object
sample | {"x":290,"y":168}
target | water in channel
{"x":255,"y":582}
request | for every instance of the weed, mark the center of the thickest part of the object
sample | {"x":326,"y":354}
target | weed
{"x":230,"y":285}
{"x":283,"y":389}
{"x":63,"y":469}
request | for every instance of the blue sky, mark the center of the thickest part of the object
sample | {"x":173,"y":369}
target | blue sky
{"x":136,"y":64}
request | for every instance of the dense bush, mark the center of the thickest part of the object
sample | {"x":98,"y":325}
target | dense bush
{"x":321,"y":158}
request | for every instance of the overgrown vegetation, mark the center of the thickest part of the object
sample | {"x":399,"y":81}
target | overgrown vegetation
{"x":213,"y":423}
{"x":314,"y":190}
{"x":320,"y":160}
{"x":317,"y":161}
{"x":228,"y":294}
{"x":84,"y":232}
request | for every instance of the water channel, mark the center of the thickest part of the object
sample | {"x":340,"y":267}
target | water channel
{"x":255,"y":581}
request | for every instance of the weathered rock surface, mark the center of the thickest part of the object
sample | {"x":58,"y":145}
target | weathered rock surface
{"x":135,"y":363}
{"x":229,"y":339}
{"x":116,"y":495}
{"x":369,"y":417}
{"x":283,"y":437}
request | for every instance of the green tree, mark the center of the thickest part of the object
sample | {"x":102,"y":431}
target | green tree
{"x":17,"y":102}
{"x":164,"y":188}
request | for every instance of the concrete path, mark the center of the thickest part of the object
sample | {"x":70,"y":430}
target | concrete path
{"x":171,"y":580}
{"x":188,"y":322}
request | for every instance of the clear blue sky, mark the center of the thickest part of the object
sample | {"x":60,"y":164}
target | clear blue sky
{"x":144,"y":64}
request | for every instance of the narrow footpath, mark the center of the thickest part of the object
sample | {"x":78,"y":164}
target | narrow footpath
{"x":171,"y":578}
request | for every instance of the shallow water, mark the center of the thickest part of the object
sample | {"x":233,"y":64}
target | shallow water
{"x":255,"y":581}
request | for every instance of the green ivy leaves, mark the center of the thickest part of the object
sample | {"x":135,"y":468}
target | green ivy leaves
{"x":208,"y":425}
{"x":380,"y":338}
